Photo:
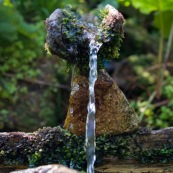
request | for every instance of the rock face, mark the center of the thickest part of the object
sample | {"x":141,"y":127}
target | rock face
{"x":48,"y":169}
{"x":113,"y":113}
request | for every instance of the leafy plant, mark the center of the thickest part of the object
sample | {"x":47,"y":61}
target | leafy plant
{"x":163,"y":13}
{"x":21,"y":56}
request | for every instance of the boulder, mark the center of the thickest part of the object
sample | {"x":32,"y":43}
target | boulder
{"x":113,"y":112}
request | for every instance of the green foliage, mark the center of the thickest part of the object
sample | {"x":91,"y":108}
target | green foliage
{"x":149,"y":6}
{"x":164,"y":12}
{"x":153,"y":101}
{"x":164,"y":112}
{"x":157,"y":114}
{"x":22,"y":56}
{"x":166,"y":15}
{"x":18,"y":39}
{"x":41,"y":9}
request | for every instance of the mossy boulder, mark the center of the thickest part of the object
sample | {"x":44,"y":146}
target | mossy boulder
{"x":68,"y":36}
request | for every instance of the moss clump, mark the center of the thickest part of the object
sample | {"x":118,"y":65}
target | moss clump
{"x":157,"y":155}
{"x":110,"y":33}
{"x":112,"y":146}
{"x":59,"y":146}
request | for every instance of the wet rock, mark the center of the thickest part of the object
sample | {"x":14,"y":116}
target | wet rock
{"x":113,"y":113}
{"x":48,"y":168}
{"x":68,"y":36}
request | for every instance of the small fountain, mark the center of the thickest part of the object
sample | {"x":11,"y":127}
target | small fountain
{"x":71,"y":38}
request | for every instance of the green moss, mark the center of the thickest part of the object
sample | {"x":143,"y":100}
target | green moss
{"x":56,"y":145}
{"x":158,"y":155}
{"x":109,"y":50}
{"x":34,"y":158}
{"x":103,"y":14}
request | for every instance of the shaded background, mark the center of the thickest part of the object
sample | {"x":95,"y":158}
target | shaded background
{"x":35,"y":86}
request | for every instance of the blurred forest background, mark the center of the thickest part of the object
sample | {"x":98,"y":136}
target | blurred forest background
{"x":35,"y":86}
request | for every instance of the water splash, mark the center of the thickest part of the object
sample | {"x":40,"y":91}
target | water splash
{"x":74,"y":86}
{"x":90,"y":122}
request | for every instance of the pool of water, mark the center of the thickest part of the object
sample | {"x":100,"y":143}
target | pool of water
{"x":134,"y":167}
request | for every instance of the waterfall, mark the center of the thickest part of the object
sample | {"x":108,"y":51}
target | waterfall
{"x":90,"y":122}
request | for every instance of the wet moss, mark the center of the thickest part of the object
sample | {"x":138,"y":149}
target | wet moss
{"x":112,"y":146}
{"x":49,"y":145}
{"x":156,"y":155}
{"x":56,"y":145}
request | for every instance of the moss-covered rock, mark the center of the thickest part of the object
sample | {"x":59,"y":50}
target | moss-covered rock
{"x":110,"y":32}
{"x":68,"y":36}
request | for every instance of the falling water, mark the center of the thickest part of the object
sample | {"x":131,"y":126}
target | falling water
{"x":90,"y":122}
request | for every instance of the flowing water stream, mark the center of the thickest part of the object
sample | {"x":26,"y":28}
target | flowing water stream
{"x":90,"y":122}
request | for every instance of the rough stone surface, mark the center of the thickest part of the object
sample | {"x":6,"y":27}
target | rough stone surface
{"x":113,"y":113}
{"x":69,"y":36}
{"x":48,"y":169}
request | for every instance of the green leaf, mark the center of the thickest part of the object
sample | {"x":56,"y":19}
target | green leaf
{"x":149,"y":6}
{"x":167,"y":21}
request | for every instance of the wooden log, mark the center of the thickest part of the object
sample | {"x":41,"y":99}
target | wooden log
{"x":56,"y":145}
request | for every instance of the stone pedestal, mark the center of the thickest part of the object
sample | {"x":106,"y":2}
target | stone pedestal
{"x":113,"y":113}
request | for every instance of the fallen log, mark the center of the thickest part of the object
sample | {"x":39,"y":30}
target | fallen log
{"x":56,"y":145}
